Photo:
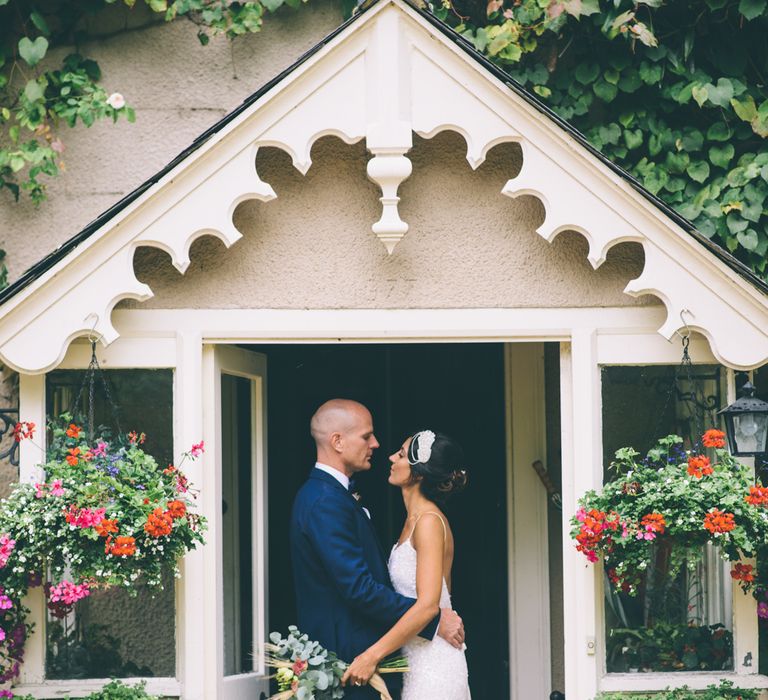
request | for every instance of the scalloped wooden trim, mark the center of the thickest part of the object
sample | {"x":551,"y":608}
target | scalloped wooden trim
{"x":387,"y":75}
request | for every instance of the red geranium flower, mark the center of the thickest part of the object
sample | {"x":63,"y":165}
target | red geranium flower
{"x":713,"y":438}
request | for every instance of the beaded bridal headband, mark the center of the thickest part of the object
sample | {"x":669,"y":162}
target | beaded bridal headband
{"x":420,"y":449}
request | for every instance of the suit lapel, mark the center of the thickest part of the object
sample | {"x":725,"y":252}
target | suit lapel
{"x":324,"y":476}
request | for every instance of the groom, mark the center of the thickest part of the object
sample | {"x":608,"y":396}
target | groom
{"x":344,"y":596}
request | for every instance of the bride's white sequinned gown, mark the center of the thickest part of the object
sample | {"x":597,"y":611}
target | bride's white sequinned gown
{"x":438,"y":671}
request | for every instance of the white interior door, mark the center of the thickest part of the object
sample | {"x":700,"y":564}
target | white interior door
{"x":241,"y":535}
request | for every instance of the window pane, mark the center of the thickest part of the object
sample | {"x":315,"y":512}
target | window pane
{"x":110,"y":633}
{"x":237,"y":550}
{"x":675,"y":622}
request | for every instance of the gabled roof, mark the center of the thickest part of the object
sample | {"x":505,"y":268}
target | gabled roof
{"x":477,"y":99}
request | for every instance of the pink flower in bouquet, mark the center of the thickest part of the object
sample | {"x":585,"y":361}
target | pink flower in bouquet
{"x":6,"y":547}
{"x":299,"y":667}
{"x":197,"y":449}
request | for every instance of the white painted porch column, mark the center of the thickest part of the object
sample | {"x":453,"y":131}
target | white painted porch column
{"x":582,"y":470}
{"x":31,"y":454}
{"x":192,"y":652}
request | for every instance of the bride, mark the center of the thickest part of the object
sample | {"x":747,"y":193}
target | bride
{"x":427,"y":468}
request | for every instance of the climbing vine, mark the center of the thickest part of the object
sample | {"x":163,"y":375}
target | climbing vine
{"x":675,"y":91}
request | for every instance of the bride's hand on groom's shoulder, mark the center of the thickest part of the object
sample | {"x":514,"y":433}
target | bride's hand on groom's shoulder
{"x":451,"y":627}
{"x":359,"y":672}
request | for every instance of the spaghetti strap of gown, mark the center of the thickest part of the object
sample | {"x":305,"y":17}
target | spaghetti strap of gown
{"x":438,"y":671}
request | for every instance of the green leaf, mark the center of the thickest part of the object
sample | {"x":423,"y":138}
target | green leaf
{"x":719,"y":132}
{"x":745,"y":108}
{"x":748,"y":239}
{"x":721,"y":155}
{"x":692,"y":140}
{"x":158,"y":5}
{"x":752,"y":8}
{"x":33,"y":91}
{"x":721,"y":93}
{"x":630,"y":81}
{"x":700,"y":94}
{"x":542,"y":91}
{"x":735,"y":223}
{"x":612,"y":76}
{"x":586,"y":73}
{"x":272,"y":5}
{"x":633,"y":138}
{"x":203,"y":38}
{"x":605,"y":91}
{"x":39,"y":21}
{"x":698,"y":171}
{"x":17,"y":163}
{"x":610,"y":134}
{"x":33,"y":51}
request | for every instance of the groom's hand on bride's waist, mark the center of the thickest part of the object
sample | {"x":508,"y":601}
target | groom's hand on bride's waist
{"x":451,"y":627}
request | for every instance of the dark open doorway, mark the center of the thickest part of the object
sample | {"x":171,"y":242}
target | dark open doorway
{"x":455,"y":388}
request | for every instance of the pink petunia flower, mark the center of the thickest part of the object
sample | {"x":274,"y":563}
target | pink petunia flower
{"x":6,"y":548}
{"x":197,"y":449}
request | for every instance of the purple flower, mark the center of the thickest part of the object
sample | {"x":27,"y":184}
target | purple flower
{"x":762,"y":609}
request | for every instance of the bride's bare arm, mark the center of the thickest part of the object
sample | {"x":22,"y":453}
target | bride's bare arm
{"x":428,"y":540}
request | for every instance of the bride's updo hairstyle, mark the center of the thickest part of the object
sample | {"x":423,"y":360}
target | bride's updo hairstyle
{"x":437,"y":465}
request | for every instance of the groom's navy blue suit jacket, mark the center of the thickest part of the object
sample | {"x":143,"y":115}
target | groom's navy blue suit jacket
{"x":344,"y":596}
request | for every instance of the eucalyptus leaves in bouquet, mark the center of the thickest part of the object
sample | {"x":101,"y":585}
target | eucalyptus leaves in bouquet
{"x":675,"y":500}
{"x":105,"y":515}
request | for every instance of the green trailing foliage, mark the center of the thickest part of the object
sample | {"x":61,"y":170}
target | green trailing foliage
{"x":674,"y":91}
{"x":38,"y":96}
{"x":115,"y":690}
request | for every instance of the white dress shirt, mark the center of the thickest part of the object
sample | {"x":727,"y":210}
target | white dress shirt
{"x":343,"y":479}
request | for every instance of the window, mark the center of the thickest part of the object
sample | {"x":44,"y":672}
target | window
{"x":111,"y":633}
{"x":677,"y":622}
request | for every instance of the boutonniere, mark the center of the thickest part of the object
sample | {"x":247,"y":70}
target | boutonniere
{"x":356,"y":495}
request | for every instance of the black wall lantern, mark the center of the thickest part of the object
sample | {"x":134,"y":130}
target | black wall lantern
{"x":746,"y":424}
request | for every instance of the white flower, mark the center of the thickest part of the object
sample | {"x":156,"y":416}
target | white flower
{"x":116,"y":100}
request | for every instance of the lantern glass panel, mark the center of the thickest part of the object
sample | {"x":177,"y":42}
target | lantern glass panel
{"x":749,"y":431}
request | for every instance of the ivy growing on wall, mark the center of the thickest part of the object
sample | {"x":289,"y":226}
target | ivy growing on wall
{"x":675,"y":91}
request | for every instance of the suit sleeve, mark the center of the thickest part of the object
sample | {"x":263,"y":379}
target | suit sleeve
{"x":331,"y":529}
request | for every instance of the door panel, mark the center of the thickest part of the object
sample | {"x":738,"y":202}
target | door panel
{"x":240,"y":389}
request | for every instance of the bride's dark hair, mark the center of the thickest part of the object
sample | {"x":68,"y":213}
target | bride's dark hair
{"x":443,"y":473}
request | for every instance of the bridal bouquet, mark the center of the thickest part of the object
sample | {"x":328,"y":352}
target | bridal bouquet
{"x":307,"y":671}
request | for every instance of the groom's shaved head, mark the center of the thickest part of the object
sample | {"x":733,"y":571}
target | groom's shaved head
{"x":335,"y":416}
{"x":343,"y":432}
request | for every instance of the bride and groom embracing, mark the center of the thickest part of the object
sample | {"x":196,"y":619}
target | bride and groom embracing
{"x":349,"y":598}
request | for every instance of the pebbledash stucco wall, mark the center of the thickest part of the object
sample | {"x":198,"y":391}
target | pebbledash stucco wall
{"x":178,"y":88}
{"x":468,"y":245}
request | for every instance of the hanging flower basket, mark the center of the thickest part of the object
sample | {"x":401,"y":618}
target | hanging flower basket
{"x":678,"y":500}
{"x":106,"y":515}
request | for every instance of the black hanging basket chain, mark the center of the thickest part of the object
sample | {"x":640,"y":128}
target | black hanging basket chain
{"x":91,"y":373}
{"x":693,"y":396}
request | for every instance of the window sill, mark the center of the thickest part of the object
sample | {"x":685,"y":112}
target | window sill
{"x":80,"y":688}
{"x":616,"y":682}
